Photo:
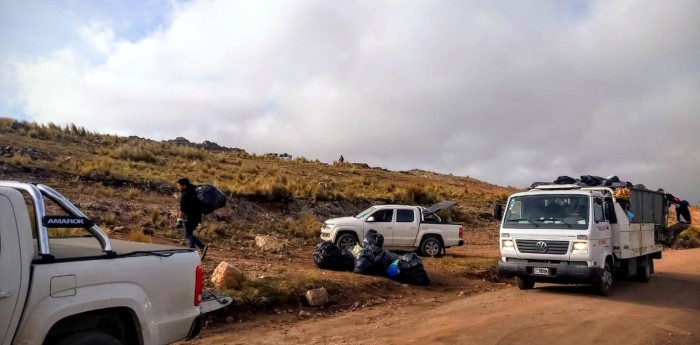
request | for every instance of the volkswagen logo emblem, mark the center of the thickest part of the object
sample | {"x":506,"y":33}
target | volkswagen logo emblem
{"x":541,"y":246}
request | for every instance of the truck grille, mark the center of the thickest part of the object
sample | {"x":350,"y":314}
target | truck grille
{"x":552,"y":247}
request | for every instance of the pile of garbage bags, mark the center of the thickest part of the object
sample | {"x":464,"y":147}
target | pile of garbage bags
{"x":593,"y":181}
{"x":329,"y":257}
{"x":371,"y":259}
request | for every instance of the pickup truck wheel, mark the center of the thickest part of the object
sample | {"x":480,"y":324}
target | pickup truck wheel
{"x":431,"y":246}
{"x":346,"y":241}
{"x":89,"y":338}
{"x":604,"y":286}
{"x":524,"y":283}
{"x":644,"y":273}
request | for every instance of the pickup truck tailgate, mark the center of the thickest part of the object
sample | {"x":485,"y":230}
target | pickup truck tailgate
{"x":212,"y":301}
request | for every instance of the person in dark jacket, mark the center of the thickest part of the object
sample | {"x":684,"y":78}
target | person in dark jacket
{"x":683,"y":218}
{"x":190,"y":214}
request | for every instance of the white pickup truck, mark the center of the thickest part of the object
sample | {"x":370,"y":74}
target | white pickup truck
{"x":403,"y":227}
{"x":90,"y":289}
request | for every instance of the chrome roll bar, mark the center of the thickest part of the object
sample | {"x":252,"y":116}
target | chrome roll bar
{"x":37,"y":193}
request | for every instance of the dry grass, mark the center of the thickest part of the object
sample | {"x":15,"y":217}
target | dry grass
{"x":138,"y":236}
{"x":283,"y":289}
{"x":689,"y":238}
{"x":109,"y":218}
{"x":104,"y":157}
{"x":65,"y":232}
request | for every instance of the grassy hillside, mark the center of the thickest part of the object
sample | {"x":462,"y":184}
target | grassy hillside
{"x":134,"y":177}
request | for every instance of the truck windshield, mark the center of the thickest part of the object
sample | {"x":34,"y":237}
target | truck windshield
{"x":558,"y":211}
{"x":365,"y":212}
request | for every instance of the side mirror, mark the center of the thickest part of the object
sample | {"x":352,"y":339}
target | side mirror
{"x":370,"y":219}
{"x":498,"y":211}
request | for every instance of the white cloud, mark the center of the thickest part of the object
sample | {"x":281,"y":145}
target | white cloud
{"x":98,"y":35}
{"x":508,"y":93}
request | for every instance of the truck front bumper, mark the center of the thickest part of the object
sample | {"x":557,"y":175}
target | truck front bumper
{"x":565,"y":272}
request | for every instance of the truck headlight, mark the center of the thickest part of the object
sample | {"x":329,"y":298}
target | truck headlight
{"x":327,"y":225}
{"x":508,"y":245}
{"x":580,"y":247}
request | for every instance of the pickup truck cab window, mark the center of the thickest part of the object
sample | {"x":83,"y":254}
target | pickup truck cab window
{"x":405,"y":216}
{"x":383,"y":216}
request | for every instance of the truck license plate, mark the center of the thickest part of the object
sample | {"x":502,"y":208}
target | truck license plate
{"x":540,"y":271}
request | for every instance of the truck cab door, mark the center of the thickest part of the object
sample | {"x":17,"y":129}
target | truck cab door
{"x":382,"y":221}
{"x":601,"y":234}
{"x":405,"y":227}
{"x":10,"y":268}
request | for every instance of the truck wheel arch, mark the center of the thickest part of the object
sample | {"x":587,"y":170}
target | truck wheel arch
{"x":345,"y":233}
{"x":89,"y":338}
{"x":119,"y":323}
{"x":425,"y":240}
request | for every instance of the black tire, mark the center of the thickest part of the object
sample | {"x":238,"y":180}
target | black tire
{"x":89,"y":338}
{"x":524,"y":283}
{"x":431,"y":246}
{"x":605,"y":285}
{"x":346,"y":240}
{"x":644,"y":272}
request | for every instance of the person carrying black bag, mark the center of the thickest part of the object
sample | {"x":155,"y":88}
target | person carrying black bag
{"x":190,"y":214}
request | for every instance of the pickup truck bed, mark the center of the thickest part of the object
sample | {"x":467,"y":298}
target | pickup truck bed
{"x":73,"y":248}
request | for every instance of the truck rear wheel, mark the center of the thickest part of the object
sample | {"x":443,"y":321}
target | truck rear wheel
{"x":89,"y":338}
{"x":524,"y":283}
{"x":346,"y":240}
{"x":431,"y":246}
{"x":644,"y":272}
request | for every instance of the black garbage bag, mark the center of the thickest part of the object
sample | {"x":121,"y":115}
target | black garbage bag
{"x":345,"y":261}
{"x":564,"y":180}
{"x":611,"y":181}
{"x":374,"y":238}
{"x":410,"y":261}
{"x":328,"y":256}
{"x":590,"y":180}
{"x":368,"y":261}
{"x":325,"y":252}
{"x":385,"y":258}
{"x":210,"y":198}
{"x":415,"y":277}
{"x":411,"y":270}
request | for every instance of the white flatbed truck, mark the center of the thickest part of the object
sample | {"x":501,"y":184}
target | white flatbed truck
{"x":580,"y":235}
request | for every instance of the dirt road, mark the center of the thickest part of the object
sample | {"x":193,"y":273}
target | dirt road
{"x":663,"y":311}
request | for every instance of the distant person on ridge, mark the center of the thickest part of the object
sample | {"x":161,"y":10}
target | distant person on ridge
{"x":341,"y":159}
{"x":190,"y":213}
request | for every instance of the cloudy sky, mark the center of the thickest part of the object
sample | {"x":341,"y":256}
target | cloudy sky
{"x":509,"y":92}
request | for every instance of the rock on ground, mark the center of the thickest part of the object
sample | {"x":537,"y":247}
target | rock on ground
{"x":317,"y":297}
{"x":226,"y":276}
